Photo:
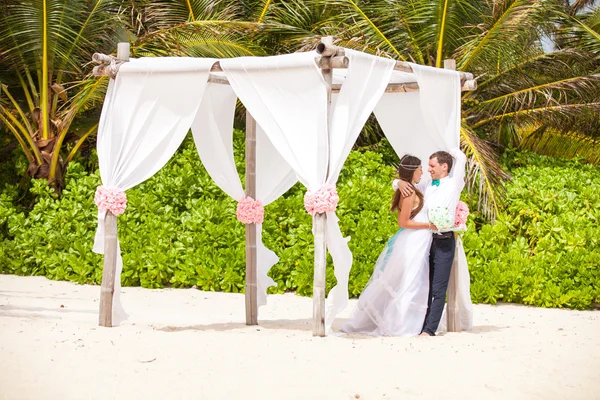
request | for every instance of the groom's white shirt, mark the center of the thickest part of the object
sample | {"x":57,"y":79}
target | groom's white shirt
{"x":447,"y":194}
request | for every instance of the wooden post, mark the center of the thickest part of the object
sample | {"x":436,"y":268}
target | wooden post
{"x":251,"y":288}
{"x":319,"y":224}
{"x":452,"y":311}
{"x":123,"y":51}
{"x":109,"y":269}
{"x":107,"y":289}
{"x":327,"y":50}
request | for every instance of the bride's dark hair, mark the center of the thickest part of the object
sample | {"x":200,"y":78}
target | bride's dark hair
{"x":406,"y":169}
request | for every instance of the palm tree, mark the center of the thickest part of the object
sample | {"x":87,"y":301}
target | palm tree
{"x":46,"y":46}
{"x":526,"y":95}
{"x":580,"y":132}
{"x":520,"y":85}
{"x":46,"y":86}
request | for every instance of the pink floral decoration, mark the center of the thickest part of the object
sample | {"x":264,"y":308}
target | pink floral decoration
{"x":462,"y":212}
{"x":250,"y":211}
{"x":323,"y":200}
{"x":111,"y":199}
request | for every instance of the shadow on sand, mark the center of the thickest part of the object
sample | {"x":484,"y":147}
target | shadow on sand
{"x":277,"y":324}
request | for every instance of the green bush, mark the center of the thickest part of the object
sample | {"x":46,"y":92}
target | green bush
{"x":544,"y":248}
{"x":180,"y":230}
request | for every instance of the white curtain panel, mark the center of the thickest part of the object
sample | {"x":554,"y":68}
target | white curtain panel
{"x":274,"y":177}
{"x":213,"y":134}
{"x":421,"y":123}
{"x":287,"y":97}
{"x":147,"y":111}
{"x":366,"y":80}
{"x":463,"y":284}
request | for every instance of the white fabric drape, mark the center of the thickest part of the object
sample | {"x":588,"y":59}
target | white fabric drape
{"x":287,"y":97}
{"x":421,"y":123}
{"x":463,"y":285}
{"x":213,"y":134}
{"x":147,"y":112}
{"x":366,"y":80}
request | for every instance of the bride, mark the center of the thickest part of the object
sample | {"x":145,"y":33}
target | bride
{"x":394,"y":302}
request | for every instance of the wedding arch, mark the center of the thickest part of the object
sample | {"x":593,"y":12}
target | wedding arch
{"x":304,"y":113}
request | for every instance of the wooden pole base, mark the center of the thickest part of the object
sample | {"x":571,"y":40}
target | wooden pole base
{"x":452,"y":310}
{"x":319,"y":223}
{"x":107,"y":290}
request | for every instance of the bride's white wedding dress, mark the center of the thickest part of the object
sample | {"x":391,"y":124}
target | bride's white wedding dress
{"x":394,"y":302}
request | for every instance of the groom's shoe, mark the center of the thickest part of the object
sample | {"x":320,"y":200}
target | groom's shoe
{"x":425,"y":334}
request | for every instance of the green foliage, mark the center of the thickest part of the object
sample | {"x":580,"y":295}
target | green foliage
{"x":180,"y":230}
{"x":544,"y":248}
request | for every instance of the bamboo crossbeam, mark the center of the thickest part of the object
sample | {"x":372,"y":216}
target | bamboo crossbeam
{"x":328,"y":50}
{"x":391,"y":87}
{"x":403,"y":66}
{"x":106,"y":68}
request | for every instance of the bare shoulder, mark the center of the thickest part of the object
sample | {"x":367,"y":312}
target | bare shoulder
{"x":409,"y":198}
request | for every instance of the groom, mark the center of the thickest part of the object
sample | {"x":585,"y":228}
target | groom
{"x":442,"y":193}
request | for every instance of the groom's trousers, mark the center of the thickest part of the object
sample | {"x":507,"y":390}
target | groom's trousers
{"x":441,"y":257}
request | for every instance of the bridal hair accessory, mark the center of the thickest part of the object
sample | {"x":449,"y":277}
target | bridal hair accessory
{"x":408,"y":167}
{"x":250,"y":211}
{"x":110,"y":199}
{"x":325,"y":199}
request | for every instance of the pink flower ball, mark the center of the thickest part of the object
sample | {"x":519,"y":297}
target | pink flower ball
{"x":250,"y":211}
{"x":323,"y":200}
{"x":110,"y":199}
{"x":462,"y":213}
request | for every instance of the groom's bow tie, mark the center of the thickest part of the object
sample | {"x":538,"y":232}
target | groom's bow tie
{"x":435,"y":182}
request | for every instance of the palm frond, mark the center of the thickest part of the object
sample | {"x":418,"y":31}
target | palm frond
{"x":547,"y":141}
{"x":210,"y":38}
{"x":373,"y":24}
{"x":509,"y":28}
{"x":576,"y":89}
{"x":485,"y":176}
{"x":583,"y":32}
{"x":559,"y":115}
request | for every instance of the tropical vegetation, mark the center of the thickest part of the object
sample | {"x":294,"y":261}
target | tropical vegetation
{"x":527,"y":97}
{"x":180,"y":230}
{"x":532,"y":239}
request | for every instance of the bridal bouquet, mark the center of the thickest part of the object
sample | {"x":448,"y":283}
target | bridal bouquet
{"x":445,"y":221}
{"x":442,"y":218}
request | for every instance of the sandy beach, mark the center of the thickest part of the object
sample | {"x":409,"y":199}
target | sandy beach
{"x":189,"y":344}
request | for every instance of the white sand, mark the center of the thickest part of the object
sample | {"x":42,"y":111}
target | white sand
{"x":188,"y":344}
